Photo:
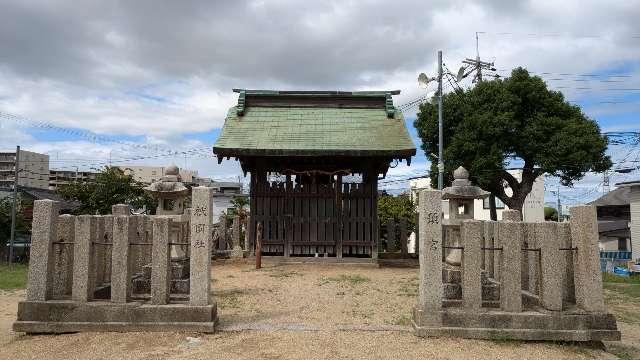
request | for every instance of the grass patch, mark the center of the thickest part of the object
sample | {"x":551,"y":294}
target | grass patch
{"x":345,"y":279}
{"x":409,"y":288}
{"x":404,"y":320}
{"x":611,"y":278}
{"x":622,"y":296}
{"x":14,"y":277}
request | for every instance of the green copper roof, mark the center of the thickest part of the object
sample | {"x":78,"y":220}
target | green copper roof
{"x":314,"y":129}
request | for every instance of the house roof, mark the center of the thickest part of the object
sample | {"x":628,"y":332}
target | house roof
{"x":42,"y":194}
{"x":314,"y":123}
{"x":618,"y":197}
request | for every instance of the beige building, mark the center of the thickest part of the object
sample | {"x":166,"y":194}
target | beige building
{"x":33,"y":169}
{"x":532,"y":209}
{"x":63,"y":177}
{"x":150,"y":174}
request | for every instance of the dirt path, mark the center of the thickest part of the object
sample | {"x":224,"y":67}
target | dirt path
{"x":325,"y":300}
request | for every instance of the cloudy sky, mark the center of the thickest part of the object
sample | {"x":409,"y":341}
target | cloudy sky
{"x":154,"y":79}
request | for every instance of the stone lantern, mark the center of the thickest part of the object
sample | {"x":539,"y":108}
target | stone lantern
{"x":461,"y":195}
{"x":170,"y":192}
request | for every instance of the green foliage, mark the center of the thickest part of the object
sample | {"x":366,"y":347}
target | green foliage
{"x":550,"y":214}
{"x":396,"y":208}
{"x":5,"y":221}
{"x":517,"y":118}
{"x":112,"y":186}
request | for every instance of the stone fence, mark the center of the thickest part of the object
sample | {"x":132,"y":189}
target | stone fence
{"x":84,"y":270}
{"x":530,"y":281}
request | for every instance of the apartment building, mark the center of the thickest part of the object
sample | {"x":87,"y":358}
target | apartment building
{"x":149,"y":174}
{"x":63,"y":177}
{"x":33,"y":169}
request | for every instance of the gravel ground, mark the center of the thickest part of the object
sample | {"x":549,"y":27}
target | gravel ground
{"x":333,"y":301}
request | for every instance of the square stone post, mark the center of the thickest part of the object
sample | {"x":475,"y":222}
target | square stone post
{"x":471,"y":234}
{"x":551,"y":265}
{"x":237,"y":249}
{"x":160,"y":261}
{"x":247,"y":238}
{"x":587,"y":275}
{"x":43,"y":234}
{"x":84,"y":272}
{"x":428,"y":312}
{"x":124,"y":231}
{"x":510,"y":235}
{"x":201,"y":227}
{"x":391,"y":235}
{"x":488,"y":240}
{"x":121,"y":210}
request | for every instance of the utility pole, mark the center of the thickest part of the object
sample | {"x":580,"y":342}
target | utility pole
{"x":14,"y":205}
{"x":559,"y":206}
{"x":478,"y":65}
{"x":440,"y":140}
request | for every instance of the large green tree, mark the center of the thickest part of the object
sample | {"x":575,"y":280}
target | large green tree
{"x":396,"y":208}
{"x":516,"y":120}
{"x":112,"y":186}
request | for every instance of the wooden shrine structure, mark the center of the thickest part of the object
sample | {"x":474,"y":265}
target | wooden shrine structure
{"x":315,"y":158}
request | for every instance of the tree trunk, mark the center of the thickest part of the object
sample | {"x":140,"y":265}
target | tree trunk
{"x":493,"y":214}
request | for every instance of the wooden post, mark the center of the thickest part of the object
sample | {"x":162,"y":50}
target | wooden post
{"x":259,"y":246}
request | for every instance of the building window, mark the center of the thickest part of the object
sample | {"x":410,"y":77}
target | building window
{"x":485,"y":203}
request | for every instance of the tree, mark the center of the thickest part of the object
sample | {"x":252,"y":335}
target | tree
{"x":5,"y":221}
{"x":396,"y":208}
{"x":515,"y":120}
{"x":550,"y":214}
{"x":112,"y":186}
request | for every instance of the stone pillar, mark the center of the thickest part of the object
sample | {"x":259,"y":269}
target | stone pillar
{"x":201,"y":226}
{"x":430,"y":288}
{"x":99,"y":250}
{"x":124,"y":231}
{"x":237,"y":249}
{"x":510,"y":234}
{"x":63,"y":257}
{"x":121,"y":210}
{"x":587,"y":275}
{"x":471,"y":234}
{"x":160,"y":261}
{"x":391,"y":236}
{"x":552,"y":265}
{"x":403,"y":237}
{"x":247,"y":239}
{"x":43,"y":234}
{"x":84,"y":272}
{"x":635,"y":222}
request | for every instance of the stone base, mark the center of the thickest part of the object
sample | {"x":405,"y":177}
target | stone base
{"x":497,"y":325}
{"x":63,"y":316}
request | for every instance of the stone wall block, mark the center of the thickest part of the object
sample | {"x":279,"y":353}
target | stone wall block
{"x":161,"y":261}
{"x":43,"y":234}
{"x":63,"y":257}
{"x":551,"y":265}
{"x":84,"y":280}
{"x":471,"y":233}
{"x":124,"y":232}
